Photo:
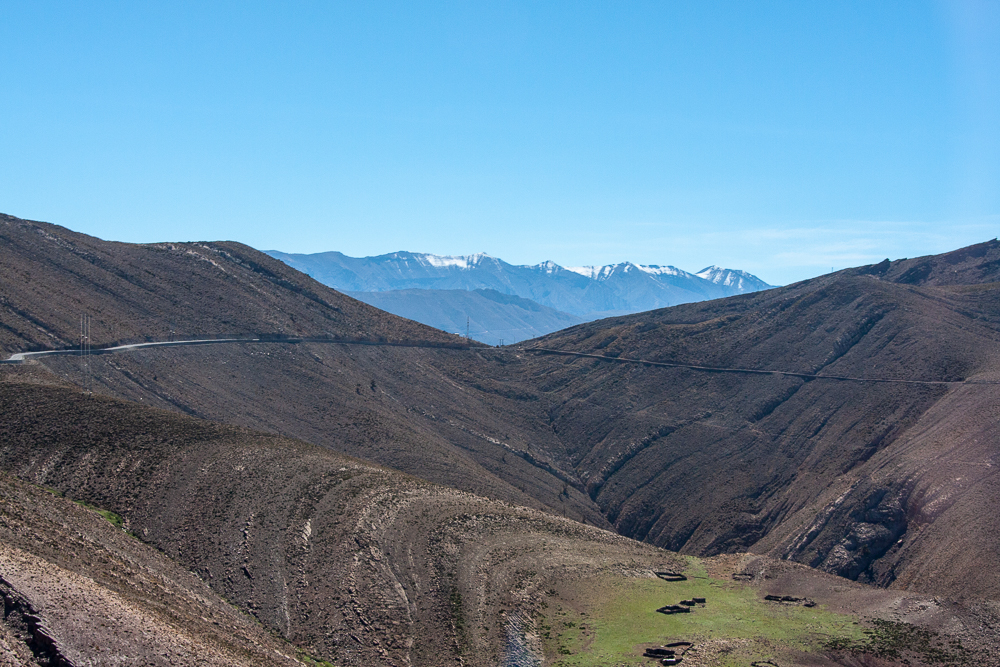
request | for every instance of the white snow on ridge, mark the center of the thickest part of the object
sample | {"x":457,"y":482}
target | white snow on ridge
{"x":588,"y":271}
{"x":655,"y":270}
{"x":598,"y":272}
{"x":741,"y":280}
{"x":548,"y":266}
{"x":460,"y":261}
{"x":602,"y":272}
{"x":714,"y":274}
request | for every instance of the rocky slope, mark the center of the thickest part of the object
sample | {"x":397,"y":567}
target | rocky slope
{"x":77,"y":590}
{"x":385,"y":403}
{"x":138,"y":292}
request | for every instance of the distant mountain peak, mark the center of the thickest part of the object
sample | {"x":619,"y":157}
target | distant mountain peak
{"x":583,"y":291}
{"x":548,"y":266}
{"x":606,"y":271}
{"x":655,"y":270}
{"x":735,"y":278}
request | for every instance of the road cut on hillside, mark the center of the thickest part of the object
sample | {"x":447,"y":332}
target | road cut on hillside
{"x":21,"y":357}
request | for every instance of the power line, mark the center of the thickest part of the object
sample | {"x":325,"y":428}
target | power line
{"x":752,"y":371}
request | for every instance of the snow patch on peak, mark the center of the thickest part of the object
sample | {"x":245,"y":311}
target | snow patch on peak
{"x":457,"y":261}
{"x":599,"y":272}
{"x":741,"y":280}
{"x":655,"y":270}
{"x":548,"y":266}
{"x":588,"y":271}
{"x":717,"y":274}
{"x":603,"y":272}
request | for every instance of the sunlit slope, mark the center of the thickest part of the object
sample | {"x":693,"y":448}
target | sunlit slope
{"x":356,"y":564}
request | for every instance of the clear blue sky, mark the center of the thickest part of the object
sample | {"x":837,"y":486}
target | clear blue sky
{"x":784,"y":138}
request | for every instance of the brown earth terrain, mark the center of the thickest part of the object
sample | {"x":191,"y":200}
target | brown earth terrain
{"x":888,"y":481}
{"x":76,"y":590}
{"x":387,"y":404}
{"x":347,"y":561}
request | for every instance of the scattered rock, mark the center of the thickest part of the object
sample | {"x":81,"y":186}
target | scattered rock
{"x":674,"y":609}
{"x":677,"y":645}
{"x":790,"y":599}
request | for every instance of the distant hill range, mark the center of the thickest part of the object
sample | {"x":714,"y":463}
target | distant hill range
{"x":427,"y":288}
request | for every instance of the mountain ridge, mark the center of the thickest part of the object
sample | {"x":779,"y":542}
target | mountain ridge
{"x":586,"y":292}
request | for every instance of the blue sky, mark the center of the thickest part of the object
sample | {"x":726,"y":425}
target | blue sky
{"x":784,"y":138}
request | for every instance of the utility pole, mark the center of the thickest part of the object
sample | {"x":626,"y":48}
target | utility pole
{"x":85,"y":350}
{"x":466,"y":327}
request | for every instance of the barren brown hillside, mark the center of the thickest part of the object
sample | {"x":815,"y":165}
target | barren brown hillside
{"x":355,"y":564}
{"x":388,"y":404}
{"x":154,"y":291}
{"x":888,"y":482}
{"x":349,"y":561}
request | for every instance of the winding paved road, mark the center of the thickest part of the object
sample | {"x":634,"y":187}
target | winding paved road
{"x":20,"y":357}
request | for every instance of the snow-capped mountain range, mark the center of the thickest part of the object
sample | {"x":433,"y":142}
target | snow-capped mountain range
{"x":588,"y":292}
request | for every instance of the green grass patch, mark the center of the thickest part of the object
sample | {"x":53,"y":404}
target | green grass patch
{"x":616,"y":615}
{"x":311,"y":661}
{"x":112,"y":518}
